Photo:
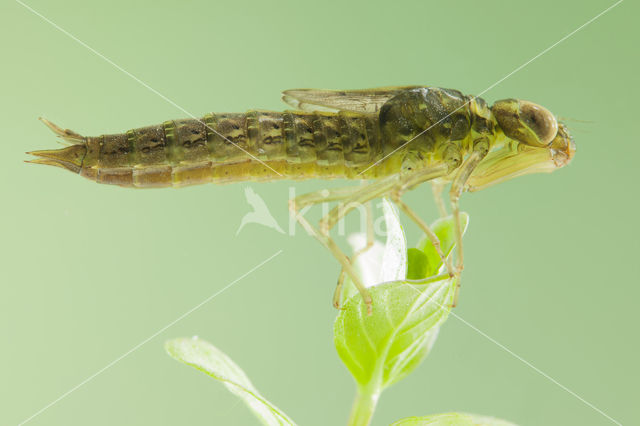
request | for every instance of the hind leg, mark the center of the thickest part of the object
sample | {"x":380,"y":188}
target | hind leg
{"x":337,"y":295}
{"x":349,"y":198}
{"x":322,"y":235}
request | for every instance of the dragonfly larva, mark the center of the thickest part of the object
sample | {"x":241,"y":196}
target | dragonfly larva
{"x":394,"y":138}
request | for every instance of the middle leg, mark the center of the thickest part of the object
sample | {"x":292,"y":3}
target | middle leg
{"x":396,"y":197}
{"x":428,"y":174}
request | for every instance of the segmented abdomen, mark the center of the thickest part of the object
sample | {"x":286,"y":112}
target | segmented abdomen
{"x":234,"y":147}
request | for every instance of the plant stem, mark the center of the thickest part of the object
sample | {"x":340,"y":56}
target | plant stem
{"x":363,"y":407}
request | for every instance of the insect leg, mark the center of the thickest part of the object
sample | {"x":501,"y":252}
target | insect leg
{"x":369,"y":230}
{"x":370,"y":240}
{"x":362,"y":196}
{"x":337,"y":294}
{"x":437,"y":188}
{"x":426,"y":229}
{"x":396,"y":196}
{"x":322,"y":235}
{"x":369,"y":244}
{"x":480,"y":150}
{"x":350,"y":198}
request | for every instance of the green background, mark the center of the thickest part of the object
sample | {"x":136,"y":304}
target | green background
{"x":90,"y":271}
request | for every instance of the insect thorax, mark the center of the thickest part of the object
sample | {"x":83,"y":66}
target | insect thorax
{"x":438,"y":122}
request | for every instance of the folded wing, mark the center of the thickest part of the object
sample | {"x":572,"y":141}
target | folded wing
{"x":365,"y":100}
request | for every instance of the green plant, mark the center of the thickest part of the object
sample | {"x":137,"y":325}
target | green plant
{"x":411,"y":300}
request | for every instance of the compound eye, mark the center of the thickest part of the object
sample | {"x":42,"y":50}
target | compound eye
{"x":541,"y":122}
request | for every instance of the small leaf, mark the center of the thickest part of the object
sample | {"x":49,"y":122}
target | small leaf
{"x":209,"y":359}
{"x":382,"y":348}
{"x":445,"y":230}
{"x":417,"y":264}
{"x":452,"y":419}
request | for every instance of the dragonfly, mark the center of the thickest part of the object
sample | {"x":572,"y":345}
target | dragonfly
{"x":392,"y":139}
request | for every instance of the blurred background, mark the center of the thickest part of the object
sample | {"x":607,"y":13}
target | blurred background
{"x":90,"y":271}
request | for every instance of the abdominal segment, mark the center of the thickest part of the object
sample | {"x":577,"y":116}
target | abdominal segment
{"x":224,"y":148}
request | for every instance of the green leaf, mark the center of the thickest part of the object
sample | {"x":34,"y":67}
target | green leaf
{"x":417,"y":264}
{"x":382,"y":348}
{"x":210,"y":360}
{"x":445,"y":230}
{"x":452,"y":419}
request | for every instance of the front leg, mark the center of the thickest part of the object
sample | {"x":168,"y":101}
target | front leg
{"x":480,"y":150}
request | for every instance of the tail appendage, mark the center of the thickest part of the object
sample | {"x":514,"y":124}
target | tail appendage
{"x":69,"y":158}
